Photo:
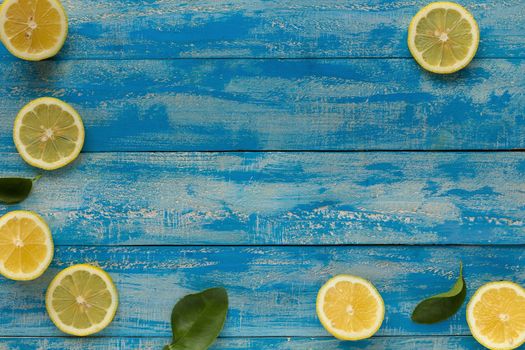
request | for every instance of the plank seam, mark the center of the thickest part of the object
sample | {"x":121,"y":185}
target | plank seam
{"x":261,"y":58}
{"x":513,"y":150}
{"x":364,"y":245}
{"x":230,"y":337}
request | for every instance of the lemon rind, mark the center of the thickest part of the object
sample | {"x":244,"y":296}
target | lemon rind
{"x":95,"y":328}
{"x":44,"y":54}
{"x":470,"y":321}
{"x":21,"y":148}
{"x":411,"y":37}
{"x":49,"y":240}
{"x":348,"y":335}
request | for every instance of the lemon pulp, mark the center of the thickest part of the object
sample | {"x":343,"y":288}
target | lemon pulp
{"x":26,"y":246}
{"x":82,"y":300}
{"x":350,"y":308}
{"x":496,"y":315}
{"x":48,"y":133}
{"x":33,"y":29}
{"x":443,"y":37}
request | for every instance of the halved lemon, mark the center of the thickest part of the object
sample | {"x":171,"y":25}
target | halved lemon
{"x":48,"y":133}
{"x":496,"y":315}
{"x":33,"y":29}
{"x":443,"y":37}
{"x":26,"y":245}
{"x":82,"y":300}
{"x":350,"y":307}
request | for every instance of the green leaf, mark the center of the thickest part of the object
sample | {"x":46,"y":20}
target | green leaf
{"x":197,"y":319}
{"x":15,"y":189}
{"x":442,"y":306}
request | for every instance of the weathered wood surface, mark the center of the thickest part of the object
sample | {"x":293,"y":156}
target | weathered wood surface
{"x":124,"y":29}
{"x":197,"y":105}
{"x":263,"y":75}
{"x":383,"y":343}
{"x":272,"y":289}
{"x":282,"y":198}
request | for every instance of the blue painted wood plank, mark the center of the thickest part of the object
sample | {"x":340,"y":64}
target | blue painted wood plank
{"x":277,"y":104}
{"x":272,"y":289}
{"x":282,"y":198}
{"x":405,"y":343}
{"x":273,"y":28}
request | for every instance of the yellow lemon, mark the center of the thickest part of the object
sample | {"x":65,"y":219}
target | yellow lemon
{"x":82,"y":300}
{"x":496,"y":315}
{"x":350,"y":307}
{"x":26,"y":245}
{"x":443,"y":37}
{"x":48,"y":133}
{"x":33,"y":29}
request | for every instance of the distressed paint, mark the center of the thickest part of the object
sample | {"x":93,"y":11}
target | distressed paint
{"x":196,"y":105}
{"x":382,"y":343}
{"x":138,"y":29}
{"x":272,"y":289}
{"x":151,"y":75}
{"x":282,"y":198}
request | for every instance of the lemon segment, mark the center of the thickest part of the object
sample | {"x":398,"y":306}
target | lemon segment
{"x":350,"y":307}
{"x":443,"y":37}
{"x":26,"y":245}
{"x":82,"y":300}
{"x":496,"y":315}
{"x":33,"y":29}
{"x":48,"y":133}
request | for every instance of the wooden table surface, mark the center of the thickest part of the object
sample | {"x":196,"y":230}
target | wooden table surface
{"x":265,"y":146}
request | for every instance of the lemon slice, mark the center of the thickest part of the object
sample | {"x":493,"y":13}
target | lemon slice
{"x":48,"y":133}
{"x":33,"y":29}
{"x":82,"y":300}
{"x":443,"y":37}
{"x":496,"y":315}
{"x":350,"y":308}
{"x":26,"y":245}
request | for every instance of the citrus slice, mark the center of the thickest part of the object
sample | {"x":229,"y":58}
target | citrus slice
{"x":443,"y":37}
{"x":48,"y":133}
{"x":26,"y":245}
{"x":496,"y":315}
{"x":350,"y":308}
{"x":33,"y":29}
{"x":82,"y":300}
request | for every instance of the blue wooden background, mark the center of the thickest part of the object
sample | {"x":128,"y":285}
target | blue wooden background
{"x":266,"y":145}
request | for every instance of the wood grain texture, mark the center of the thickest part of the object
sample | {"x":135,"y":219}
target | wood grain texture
{"x":282,"y":198}
{"x":263,"y":75}
{"x":198,"y":105}
{"x":123,"y":29}
{"x":383,"y":343}
{"x":272,"y":290}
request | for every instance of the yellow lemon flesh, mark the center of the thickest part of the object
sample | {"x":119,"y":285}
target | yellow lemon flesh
{"x":33,"y":29}
{"x":350,"y":308}
{"x":82,"y":300}
{"x":48,"y":133}
{"x":443,"y":37}
{"x":26,"y":246}
{"x":496,"y":315}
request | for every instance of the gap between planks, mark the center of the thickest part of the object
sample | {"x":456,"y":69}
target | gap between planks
{"x":378,"y":336}
{"x":511,"y":150}
{"x":259,"y":58}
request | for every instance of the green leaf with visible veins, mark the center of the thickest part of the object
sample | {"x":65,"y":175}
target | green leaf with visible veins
{"x":442,"y":306}
{"x":14,"y":190}
{"x":197,"y":319}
